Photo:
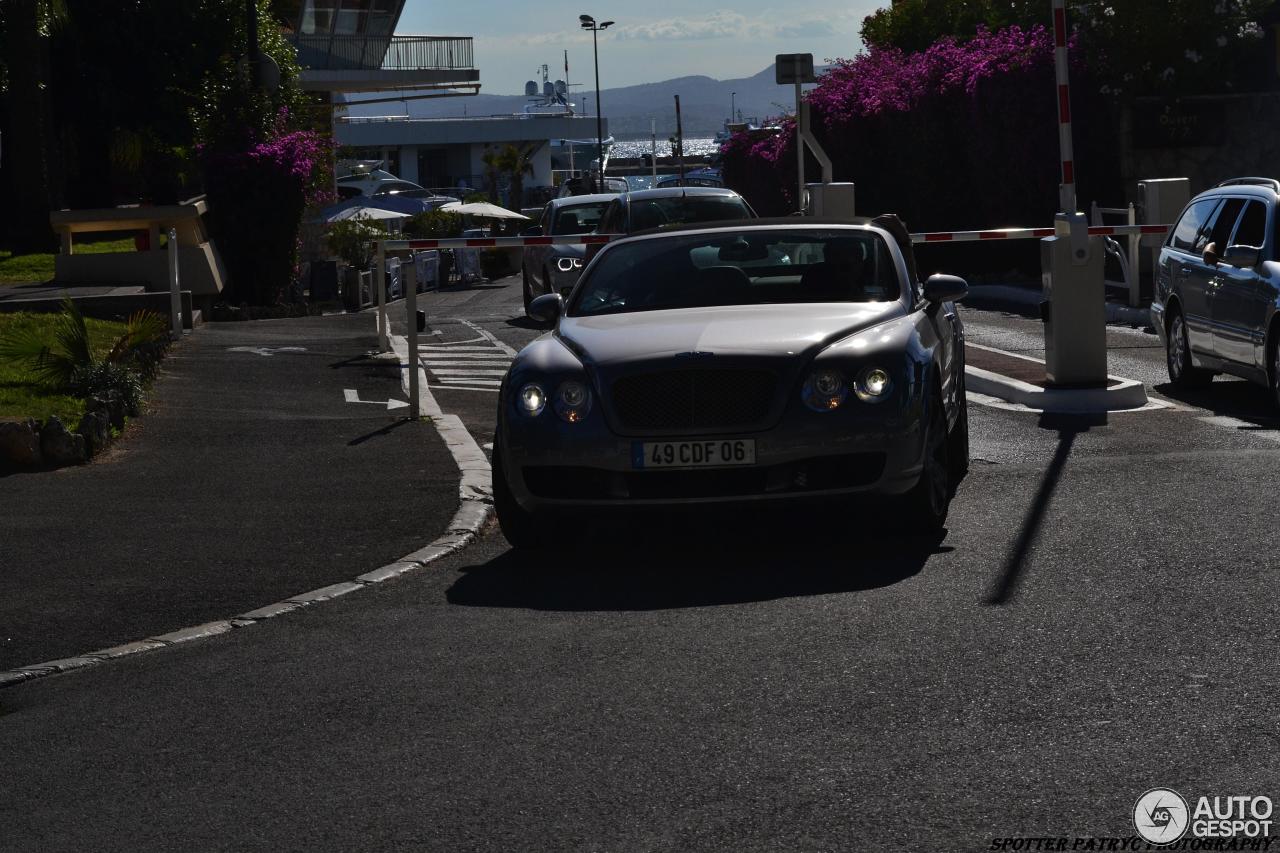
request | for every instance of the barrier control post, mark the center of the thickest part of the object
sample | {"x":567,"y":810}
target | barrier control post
{"x":1074,"y":306}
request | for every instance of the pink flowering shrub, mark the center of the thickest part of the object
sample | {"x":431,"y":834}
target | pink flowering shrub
{"x":257,"y":197}
{"x":963,"y":135}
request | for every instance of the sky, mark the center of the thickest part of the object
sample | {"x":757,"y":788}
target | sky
{"x":650,"y":41}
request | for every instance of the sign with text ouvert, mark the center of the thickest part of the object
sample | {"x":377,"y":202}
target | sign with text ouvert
{"x":794,"y":68}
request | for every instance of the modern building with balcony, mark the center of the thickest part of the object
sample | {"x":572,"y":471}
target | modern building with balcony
{"x":352,"y":46}
{"x":444,"y":153}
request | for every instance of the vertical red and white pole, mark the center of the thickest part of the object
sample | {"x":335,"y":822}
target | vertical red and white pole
{"x":1067,"y":190}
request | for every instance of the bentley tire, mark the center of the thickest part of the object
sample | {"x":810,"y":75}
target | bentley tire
{"x":520,"y":527}
{"x":930,"y":499}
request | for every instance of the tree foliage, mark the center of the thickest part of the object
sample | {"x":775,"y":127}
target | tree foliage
{"x":1131,"y":47}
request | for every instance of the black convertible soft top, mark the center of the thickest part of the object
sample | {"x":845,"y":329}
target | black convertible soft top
{"x":890,"y":222}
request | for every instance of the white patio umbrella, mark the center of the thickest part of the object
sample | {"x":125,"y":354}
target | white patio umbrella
{"x":483,"y":209}
{"x":362,"y":212}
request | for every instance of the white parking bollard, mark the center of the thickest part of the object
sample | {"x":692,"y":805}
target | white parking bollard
{"x":175,"y":289}
{"x":1074,"y":306}
{"x":409,"y":281}
{"x":380,"y":283}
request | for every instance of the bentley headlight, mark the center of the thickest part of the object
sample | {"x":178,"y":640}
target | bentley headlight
{"x":873,"y":385}
{"x":824,"y":390}
{"x":532,"y":400}
{"x":569,"y":264}
{"x":573,"y":401}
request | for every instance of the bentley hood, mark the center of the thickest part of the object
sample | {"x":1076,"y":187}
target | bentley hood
{"x":746,"y":330}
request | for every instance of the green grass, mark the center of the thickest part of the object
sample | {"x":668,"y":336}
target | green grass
{"x":21,"y":269}
{"x":20,"y":397}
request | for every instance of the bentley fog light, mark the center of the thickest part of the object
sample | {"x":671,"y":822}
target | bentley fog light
{"x":569,"y":264}
{"x":873,"y":385}
{"x":532,"y":399}
{"x":573,"y":401}
{"x":824,"y":390}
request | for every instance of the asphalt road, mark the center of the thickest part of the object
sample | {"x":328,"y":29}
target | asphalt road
{"x":1098,"y":620}
{"x":249,"y":480}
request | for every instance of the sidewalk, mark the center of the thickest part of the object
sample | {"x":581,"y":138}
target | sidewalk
{"x":251,"y":479}
{"x":1024,"y":300}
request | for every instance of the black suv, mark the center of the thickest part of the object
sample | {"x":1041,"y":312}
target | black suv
{"x":1217,"y":286}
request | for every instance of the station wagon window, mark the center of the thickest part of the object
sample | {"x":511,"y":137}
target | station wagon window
{"x":744,"y":268}
{"x":1252,"y":230}
{"x":679,"y":210}
{"x":1188,"y":228}
{"x":579,"y":218}
{"x":1220,"y":228}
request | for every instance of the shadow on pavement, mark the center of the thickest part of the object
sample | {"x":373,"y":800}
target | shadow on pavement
{"x":523,"y":322}
{"x":724,"y":562}
{"x":379,"y":432}
{"x":1068,"y":427}
{"x":1235,"y":398}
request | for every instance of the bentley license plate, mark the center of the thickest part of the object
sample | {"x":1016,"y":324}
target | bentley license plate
{"x":693,"y":454}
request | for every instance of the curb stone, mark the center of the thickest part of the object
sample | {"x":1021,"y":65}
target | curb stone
{"x":475,"y":496}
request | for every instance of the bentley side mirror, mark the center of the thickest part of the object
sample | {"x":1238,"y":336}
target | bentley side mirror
{"x":945,"y":288}
{"x":1244,"y":257}
{"x":547,"y":308}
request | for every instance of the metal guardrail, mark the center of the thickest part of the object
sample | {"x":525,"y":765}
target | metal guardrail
{"x":331,"y":52}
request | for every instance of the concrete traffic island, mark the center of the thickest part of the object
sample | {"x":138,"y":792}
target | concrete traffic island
{"x":1022,"y":379}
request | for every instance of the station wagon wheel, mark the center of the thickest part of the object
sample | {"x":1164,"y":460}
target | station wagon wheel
{"x":1182,"y":373}
{"x":528,"y":288}
{"x":1275,"y":371}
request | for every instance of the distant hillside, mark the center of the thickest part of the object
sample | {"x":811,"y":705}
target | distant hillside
{"x":704,"y":104}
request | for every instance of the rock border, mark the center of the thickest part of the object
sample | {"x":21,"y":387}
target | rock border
{"x":33,"y":445}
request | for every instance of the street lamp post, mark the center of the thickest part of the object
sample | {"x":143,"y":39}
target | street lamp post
{"x":733,"y":102}
{"x":589,"y":23}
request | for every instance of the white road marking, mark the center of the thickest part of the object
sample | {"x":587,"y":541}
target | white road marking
{"x":468,"y":372}
{"x":353,"y":396}
{"x":469,"y":387}
{"x":1236,"y":424}
{"x":266,"y":352}
{"x":489,"y":336}
{"x":476,"y":364}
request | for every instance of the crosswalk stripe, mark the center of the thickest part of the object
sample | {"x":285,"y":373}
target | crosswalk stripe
{"x":454,"y":359}
{"x":471,"y":385}
{"x":446,"y":349}
{"x":452,"y":372}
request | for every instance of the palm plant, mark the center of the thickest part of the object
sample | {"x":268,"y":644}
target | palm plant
{"x":517,"y":161}
{"x":492,"y":172}
{"x":55,"y":363}
{"x":60,"y":362}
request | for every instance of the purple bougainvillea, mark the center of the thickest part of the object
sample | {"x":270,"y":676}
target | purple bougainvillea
{"x":961,"y":135}
{"x":257,"y":197}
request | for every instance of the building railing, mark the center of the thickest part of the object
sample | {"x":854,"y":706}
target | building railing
{"x":491,"y":117}
{"x":326,"y":52}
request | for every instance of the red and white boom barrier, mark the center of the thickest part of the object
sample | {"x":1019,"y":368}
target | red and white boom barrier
{"x":598,"y":239}
{"x":1033,"y":233}
{"x":498,"y":242}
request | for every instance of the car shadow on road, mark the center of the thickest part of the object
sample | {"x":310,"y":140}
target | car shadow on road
{"x":722,"y":563}
{"x":1235,"y":398}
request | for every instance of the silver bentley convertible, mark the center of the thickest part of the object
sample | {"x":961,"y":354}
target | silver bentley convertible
{"x":731,"y":362}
